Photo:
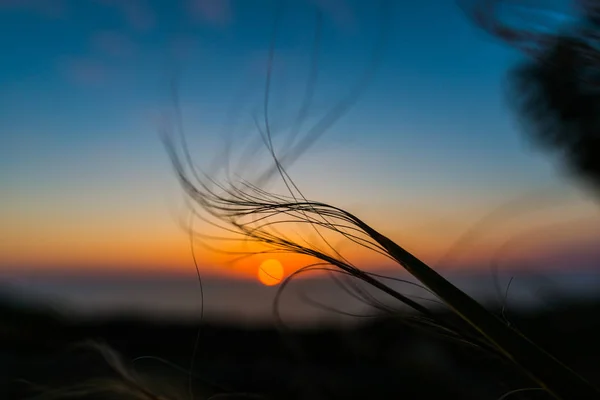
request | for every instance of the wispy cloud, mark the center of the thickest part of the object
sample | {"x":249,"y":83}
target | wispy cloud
{"x":338,"y":10}
{"x":182,"y":47}
{"x":217,"y":12}
{"x":84,"y":71}
{"x":113,"y":44}
{"x":284,"y":61}
{"x":258,"y":62}
{"x":138,"y":13}
{"x":47,"y":8}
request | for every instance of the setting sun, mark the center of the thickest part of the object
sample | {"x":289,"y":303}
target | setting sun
{"x":270,"y":272}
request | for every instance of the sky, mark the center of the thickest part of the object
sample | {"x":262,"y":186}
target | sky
{"x":429,"y":149}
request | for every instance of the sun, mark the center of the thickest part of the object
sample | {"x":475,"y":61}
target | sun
{"x":270,"y":272}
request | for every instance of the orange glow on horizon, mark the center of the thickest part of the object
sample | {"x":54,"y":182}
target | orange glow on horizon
{"x":160,"y":246}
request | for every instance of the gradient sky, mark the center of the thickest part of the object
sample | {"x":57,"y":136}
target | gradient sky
{"x":430,"y":148}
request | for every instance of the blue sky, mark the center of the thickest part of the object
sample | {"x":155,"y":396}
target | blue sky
{"x":429,"y":148}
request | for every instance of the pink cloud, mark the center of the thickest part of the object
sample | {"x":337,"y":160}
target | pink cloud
{"x":214,"y":11}
{"x":46,"y":8}
{"x":138,"y":13}
{"x":114,"y":44}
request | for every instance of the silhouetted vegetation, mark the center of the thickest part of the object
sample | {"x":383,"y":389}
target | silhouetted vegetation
{"x":558,"y":97}
{"x":461,"y":351}
{"x":556,"y":90}
{"x":249,"y":212}
{"x":379,"y":358}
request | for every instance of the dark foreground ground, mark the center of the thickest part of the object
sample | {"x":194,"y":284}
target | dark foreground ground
{"x":376,"y":359}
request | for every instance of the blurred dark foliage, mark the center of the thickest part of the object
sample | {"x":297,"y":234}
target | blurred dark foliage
{"x":556,"y":94}
{"x":377,"y":358}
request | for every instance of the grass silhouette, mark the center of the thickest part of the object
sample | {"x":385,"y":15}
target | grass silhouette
{"x":238,"y":202}
{"x":554,"y":91}
{"x":249,"y":212}
{"x":246,"y":209}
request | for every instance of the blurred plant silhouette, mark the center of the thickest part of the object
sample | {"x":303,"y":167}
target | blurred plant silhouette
{"x":248,"y":212}
{"x":556,"y":91}
{"x":556,"y":95}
